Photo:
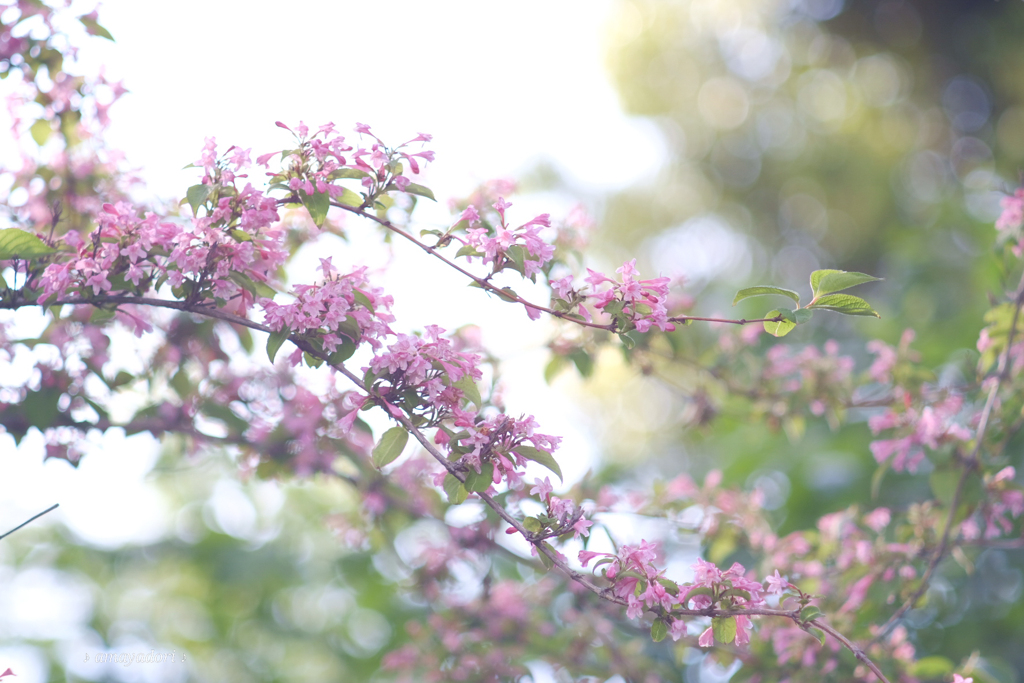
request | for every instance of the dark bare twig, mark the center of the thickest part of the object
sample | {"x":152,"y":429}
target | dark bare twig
{"x":31,"y":519}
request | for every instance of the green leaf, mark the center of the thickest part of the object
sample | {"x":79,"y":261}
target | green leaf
{"x":544,"y":559}
{"x":196,"y":195}
{"x":94,"y":29}
{"x":533,"y":525}
{"x":724,"y":629}
{"x":317,"y":204}
{"x":241,"y":235}
{"x":383,"y":203}
{"x":802,"y":315}
{"x":540,"y":457}
{"x":390,"y":446}
{"x":41,"y":131}
{"x":250,"y":285}
{"x":41,"y":407}
{"x":809,"y":612}
{"x":469,"y":389}
{"x":457,"y":493}
{"x":482,"y":481}
{"x":659,"y":629}
{"x":847,"y":304}
{"x":762,"y":290}
{"x":943,"y":484}
{"x":16,"y":243}
{"x":467,"y":250}
{"x":554,"y":366}
{"x":102,"y":316}
{"x":517,"y":253}
{"x":817,"y":633}
{"x":348,"y":173}
{"x":877,"y":477}
{"x":780,"y":328}
{"x":828,"y":281}
{"x":584,"y":363}
{"x":349,"y":198}
{"x":274,"y":342}
{"x":342,"y":353}
{"x":413,"y":188}
{"x":932,"y":667}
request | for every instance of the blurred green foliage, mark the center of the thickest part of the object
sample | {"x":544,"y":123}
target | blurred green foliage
{"x":878,"y":137}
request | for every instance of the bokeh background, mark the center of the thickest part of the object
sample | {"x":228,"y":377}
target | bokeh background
{"x":728,"y":142}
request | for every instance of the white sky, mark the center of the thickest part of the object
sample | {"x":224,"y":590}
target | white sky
{"x":499,"y":85}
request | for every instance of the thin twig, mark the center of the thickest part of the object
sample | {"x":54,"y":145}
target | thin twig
{"x":52,"y":507}
{"x":507,"y":295}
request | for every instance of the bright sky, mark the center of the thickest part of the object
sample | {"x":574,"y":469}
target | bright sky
{"x":501,"y":86}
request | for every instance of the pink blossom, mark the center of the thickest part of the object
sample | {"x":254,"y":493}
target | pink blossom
{"x":634,"y":608}
{"x":542,"y":488}
{"x":776,"y":584}
{"x":707,"y":639}
{"x":878,"y":519}
{"x":1013,"y":211}
{"x":678,"y":629}
{"x":582,"y":527}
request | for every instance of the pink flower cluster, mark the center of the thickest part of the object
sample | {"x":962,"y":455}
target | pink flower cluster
{"x":341,"y":307}
{"x":419,"y":375}
{"x":428,"y":379}
{"x":1013,"y":211}
{"x":507,"y":443}
{"x":1003,"y":499}
{"x":887,"y":356}
{"x":320,"y":161}
{"x":931,"y":426}
{"x":563,"y":511}
{"x":638,"y":302}
{"x":808,"y":366}
{"x":127,"y":254}
{"x":496,"y":243}
{"x":637,"y":580}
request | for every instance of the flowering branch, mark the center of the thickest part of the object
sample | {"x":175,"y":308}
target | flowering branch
{"x":970,"y":465}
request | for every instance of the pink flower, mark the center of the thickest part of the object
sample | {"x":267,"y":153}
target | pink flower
{"x":471,"y":215}
{"x":582,"y":527}
{"x":707,"y":639}
{"x":776,"y":584}
{"x":957,"y":678}
{"x":562,"y":287}
{"x":1013,"y":211}
{"x":501,"y":205}
{"x":634,"y":608}
{"x":878,"y":519}
{"x":542,"y":488}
